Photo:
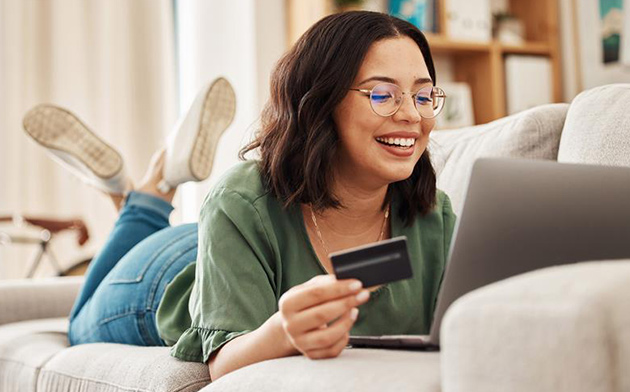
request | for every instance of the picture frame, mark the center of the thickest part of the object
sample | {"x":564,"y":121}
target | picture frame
{"x":591,"y":28}
{"x":458,"y":107}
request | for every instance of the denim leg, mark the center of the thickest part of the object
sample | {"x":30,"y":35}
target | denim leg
{"x":142,"y":215}
{"x":123,"y":308}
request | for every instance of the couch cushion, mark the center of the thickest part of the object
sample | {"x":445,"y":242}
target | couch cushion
{"x":533,"y":133}
{"x":34,"y":355}
{"x":563,"y":329}
{"x":106,"y":367}
{"x":29,"y":299}
{"x":25,"y":347}
{"x":363,"y":370}
{"x":597,"y":128}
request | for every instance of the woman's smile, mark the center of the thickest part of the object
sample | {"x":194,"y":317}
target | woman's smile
{"x":400,"y":144}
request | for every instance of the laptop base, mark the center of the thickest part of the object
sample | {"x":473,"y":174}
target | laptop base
{"x":396,"y":342}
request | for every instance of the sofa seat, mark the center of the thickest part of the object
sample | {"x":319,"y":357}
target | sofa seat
{"x":24,"y":349}
{"x":106,"y":367}
{"x":354,"y":370}
{"x":35,"y":357}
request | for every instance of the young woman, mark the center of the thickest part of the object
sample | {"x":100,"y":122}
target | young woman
{"x":343,"y":162}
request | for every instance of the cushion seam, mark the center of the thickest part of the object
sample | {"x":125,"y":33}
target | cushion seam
{"x":90,"y":380}
{"x":20,"y":363}
{"x":207,"y":381}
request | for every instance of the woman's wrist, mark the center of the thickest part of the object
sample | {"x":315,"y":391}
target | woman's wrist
{"x":269,"y":341}
{"x":279,"y":336}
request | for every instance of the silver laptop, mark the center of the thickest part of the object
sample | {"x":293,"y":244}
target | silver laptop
{"x":520,"y":215}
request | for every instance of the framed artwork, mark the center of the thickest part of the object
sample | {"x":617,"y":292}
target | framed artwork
{"x":611,"y":21}
{"x":602,"y":41}
{"x":458,"y":107}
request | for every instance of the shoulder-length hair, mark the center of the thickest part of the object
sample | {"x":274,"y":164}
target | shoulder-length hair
{"x":298,"y":140}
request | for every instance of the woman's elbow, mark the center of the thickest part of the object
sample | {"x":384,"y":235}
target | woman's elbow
{"x":214,"y":368}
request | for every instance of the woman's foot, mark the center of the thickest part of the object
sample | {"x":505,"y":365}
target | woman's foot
{"x":70,"y":142}
{"x":191,"y":145}
{"x":154,"y":175}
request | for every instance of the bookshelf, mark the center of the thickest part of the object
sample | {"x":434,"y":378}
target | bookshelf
{"x":480,"y":64}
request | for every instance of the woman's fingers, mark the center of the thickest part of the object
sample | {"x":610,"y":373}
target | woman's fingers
{"x":308,"y":311}
{"x":320,"y":289}
{"x":330,"y":352}
{"x":323,"y":339}
{"x":316,"y":316}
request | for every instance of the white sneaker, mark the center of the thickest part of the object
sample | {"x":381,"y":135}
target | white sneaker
{"x":75,"y":147}
{"x":191,"y":146}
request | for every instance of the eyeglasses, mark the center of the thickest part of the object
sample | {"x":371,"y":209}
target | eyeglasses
{"x":387,"y":98}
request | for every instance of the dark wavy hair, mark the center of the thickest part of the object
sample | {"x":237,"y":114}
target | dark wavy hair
{"x":298,"y":139}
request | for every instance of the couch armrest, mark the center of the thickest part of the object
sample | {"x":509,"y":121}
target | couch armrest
{"x":563,"y":328}
{"x":27,"y":299}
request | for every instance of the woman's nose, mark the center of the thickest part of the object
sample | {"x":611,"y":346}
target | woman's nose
{"x":407,"y":110}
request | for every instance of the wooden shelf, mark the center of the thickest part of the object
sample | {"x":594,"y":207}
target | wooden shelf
{"x":531,"y":48}
{"x":482,"y":64}
{"x":444,"y":45}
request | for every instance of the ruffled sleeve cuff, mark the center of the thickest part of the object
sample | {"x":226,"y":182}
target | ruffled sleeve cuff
{"x":197,"y":344}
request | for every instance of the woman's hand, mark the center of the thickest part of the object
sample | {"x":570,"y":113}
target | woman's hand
{"x":307,"y":309}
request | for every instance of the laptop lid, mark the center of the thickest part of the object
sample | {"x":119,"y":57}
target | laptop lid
{"x":520,"y":215}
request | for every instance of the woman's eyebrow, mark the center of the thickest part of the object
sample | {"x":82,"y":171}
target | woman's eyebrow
{"x":423,"y":81}
{"x":394,"y":81}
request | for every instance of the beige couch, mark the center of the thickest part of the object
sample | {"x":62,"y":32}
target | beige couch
{"x":558,"y":329}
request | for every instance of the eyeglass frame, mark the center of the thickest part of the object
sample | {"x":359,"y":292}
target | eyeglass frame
{"x":368,"y":93}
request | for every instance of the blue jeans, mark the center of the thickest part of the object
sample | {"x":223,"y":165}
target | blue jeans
{"x":126,"y":280}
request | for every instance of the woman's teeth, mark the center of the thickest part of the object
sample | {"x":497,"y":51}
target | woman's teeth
{"x":399,"y":142}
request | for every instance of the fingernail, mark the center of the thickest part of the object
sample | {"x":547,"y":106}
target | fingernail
{"x":354,"y":286}
{"x":354,"y":313}
{"x":363,"y":295}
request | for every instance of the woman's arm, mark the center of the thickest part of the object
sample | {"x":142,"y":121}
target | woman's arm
{"x":266,"y":342}
{"x":314,"y":319}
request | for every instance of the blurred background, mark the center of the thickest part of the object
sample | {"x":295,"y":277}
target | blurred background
{"x":129,"y":68}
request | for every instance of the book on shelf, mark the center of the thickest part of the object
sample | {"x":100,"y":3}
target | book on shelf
{"x":420,"y":13}
{"x":469,"y":20}
{"x":527,"y":82}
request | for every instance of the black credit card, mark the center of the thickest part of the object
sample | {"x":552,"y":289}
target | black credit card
{"x":374,"y":264}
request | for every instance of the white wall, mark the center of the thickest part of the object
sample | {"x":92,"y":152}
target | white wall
{"x":567,"y":50}
{"x":241,"y":40}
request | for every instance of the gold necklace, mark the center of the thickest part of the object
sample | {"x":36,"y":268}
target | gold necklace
{"x":319,"y":233}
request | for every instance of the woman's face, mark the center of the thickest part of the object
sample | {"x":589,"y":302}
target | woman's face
{"x":362,"y":154}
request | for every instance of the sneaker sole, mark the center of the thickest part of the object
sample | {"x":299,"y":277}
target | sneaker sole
{"x":58,"y":129}
{"x":217,"y":114}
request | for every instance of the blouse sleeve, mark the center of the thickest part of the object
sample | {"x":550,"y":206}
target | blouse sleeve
{"x":234,"y":289}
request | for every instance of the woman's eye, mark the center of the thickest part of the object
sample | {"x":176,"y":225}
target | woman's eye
{"x":423,"y":100}
{"x":380,"y":98}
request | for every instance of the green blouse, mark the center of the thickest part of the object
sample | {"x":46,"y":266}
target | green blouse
{"x":251,"y":251}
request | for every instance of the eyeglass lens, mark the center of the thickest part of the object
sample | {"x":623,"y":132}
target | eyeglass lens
{"x":386,"y":99}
